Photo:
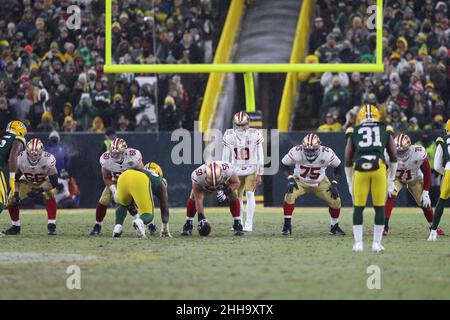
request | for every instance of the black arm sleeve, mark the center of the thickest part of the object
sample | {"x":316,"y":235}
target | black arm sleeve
{"x":53,"y":180}
{"x":286,"y":169}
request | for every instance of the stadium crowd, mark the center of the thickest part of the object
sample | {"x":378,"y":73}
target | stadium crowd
{"x":51,"y":75}
{"x":413,"y":90}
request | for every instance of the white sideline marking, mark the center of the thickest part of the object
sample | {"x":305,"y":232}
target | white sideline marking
{"x":35,"y":257}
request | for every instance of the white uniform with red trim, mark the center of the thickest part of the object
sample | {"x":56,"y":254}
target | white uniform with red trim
{"x":38,"y":173}
{"x":198,"y":176}
{"x":409,"y":170}
{"x":311,"y":172}
{"x":132,"y":157}
{"x":245,"y":151}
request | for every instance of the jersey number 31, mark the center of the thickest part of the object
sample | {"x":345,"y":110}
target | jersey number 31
{"x":370,"y":137}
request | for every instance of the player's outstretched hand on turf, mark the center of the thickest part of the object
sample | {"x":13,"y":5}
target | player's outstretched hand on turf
{"x":221,"y":196}
{"x":334,"y":190}
{"x":291,"y":185}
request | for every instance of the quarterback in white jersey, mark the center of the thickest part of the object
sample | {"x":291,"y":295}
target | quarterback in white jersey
{"x":311,"y":160}
{"x":36,"y":175}
{"x":113,"y":162}
{"x":215,"y":177}
{"x":243,"y":147}
{"x":413,"y":172}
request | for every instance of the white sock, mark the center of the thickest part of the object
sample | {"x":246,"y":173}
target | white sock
{"x":16,"y":223}
{"x":52,"y":221}
{"x":358,"y":233}
{"x":100,"y":223}
{"x":251,"y":204}
{"x":378,"y":233}
{"x":237,"y":219}
{"x":334,"y":221}
{"x":189,"y":218}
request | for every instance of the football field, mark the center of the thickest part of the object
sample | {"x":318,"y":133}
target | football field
{"x":311,"y":264}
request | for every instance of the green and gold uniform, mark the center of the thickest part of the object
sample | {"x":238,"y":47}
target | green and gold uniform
{"x":138,"y":185}
{"x":369,"y":140}
{"x":6,"y":142}
{"x":443,"y":157}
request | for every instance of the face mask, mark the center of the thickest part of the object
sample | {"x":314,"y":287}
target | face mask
{"x":54,"y":139}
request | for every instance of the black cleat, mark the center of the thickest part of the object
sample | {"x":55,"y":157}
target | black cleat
{"x":238,"y":229}
{"x":96,"y":230}
{"x":287,"y":230}
{"x":187,"y":228}
{"x":336,"y":230}
{"x":152,"y":229}
{"x":14,"y":230}
{"x":51,"y":227}
{"x":117,"y":234}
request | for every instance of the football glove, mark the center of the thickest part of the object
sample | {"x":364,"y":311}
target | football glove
{"x":291,"y":185}
{"x":391,"y":187}
{"x":425,"y":200}
{"x":165,"y":233}
{"x":221,"y":196}
{"x":334,"y":190}
{"x":113,"y":189}
{"x":34,"y":193}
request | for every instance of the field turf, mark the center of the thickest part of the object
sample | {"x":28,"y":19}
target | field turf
{"x":263,"y":265}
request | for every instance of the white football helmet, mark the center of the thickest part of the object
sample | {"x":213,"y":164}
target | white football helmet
{"x":241,"y":122}
{"x":213,"y":174}
{"x":403,"y":144}
{"x":118,"y":148}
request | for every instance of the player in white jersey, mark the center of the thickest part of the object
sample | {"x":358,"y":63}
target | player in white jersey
{"x":113,"y":162}
{"x":243,"y":147}
{"x":311,"y":161}
{"x":215,"y":177}
{"x":36,"y":175}
{"x":413,"y":172}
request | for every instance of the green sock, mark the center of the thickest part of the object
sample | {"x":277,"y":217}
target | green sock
{"x":358,"y":216}
{"x":121,"y":214}
{"x":147,"y":217}
{"x":379,"y":215}
{"x":438,"y":211}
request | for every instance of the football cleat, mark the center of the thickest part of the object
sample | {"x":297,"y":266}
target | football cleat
{"x":385,"y":231}
{"x":440,"y":232}
{"x":204,"y":228}
{"x":238,"y":229}
{"x":248,"y":227}
{"x":187,"y":228}
{"x":336,"y":230}
{"x":433,"y":235}
{"x":357,"y":247}
{"x":139,"y":226}
{"x":117,"y":232}
{"x":51,"y":229}
{"x":377,"y":247}
{"x":14,"y":230}
{"x":96,"y":230}
{"x":287,"y":230}
{"x":152,"y":228}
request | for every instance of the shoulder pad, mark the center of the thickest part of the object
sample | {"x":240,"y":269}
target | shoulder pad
{"x":349,"y":130}
{"x":389,"y":128}
{"x":439,"y":140}
{"x":21,"y":139}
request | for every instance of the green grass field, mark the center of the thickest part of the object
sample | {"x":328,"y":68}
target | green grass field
{"x":264,"y":265}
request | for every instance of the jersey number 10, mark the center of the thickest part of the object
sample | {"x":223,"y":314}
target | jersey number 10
{"x":370,"y":137}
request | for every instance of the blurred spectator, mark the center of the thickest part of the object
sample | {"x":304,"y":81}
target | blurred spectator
{"x":170,"y":115}
{"x":351,"y":116}
{"x":38,"y":108}
{"x":69,"y":124}
{"x":7,"y":114}
{"x":60,"y":150}
{"x":413,"y":124}
{"x":318,"y":35}
{"x":97,"y":125}
{"x":47,"y":124}
{"x":110,"y":135}
{"x":312,"y":88}
{"x":396,"y":118}
{"x":337,"y":99}
{"x":123,"y":124}
{"x":145,"y":105}
{"x":330,"y":125}
{"x":21,"y":105}
{"x":67,"y":192}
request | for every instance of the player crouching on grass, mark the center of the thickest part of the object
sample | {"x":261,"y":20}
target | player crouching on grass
{"x":441,"y":165}
{"x":113,"y":162}
{"x":414,"y":172}
{"x":36,"y":174}
{"x":311,"y":161}
{"x":209,"y":178}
